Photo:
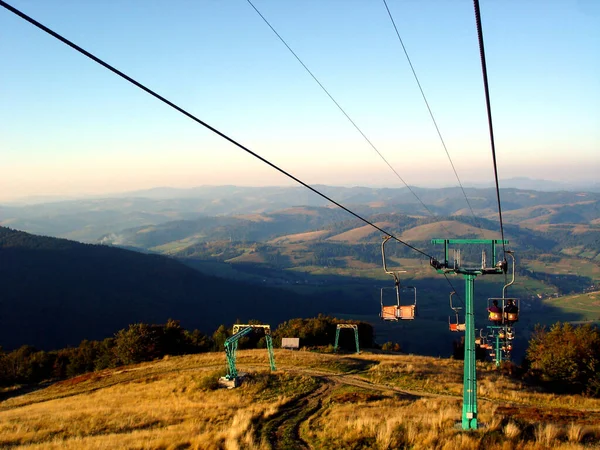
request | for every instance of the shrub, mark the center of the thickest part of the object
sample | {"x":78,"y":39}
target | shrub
{"x":391,"y":347}
{"x":136,"y":344}
{"x":567,"y":355}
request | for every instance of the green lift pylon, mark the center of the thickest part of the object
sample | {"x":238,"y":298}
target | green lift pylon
{"x":469,"y":411}
{"x":231,"y":345}
{"x":337,"y":334}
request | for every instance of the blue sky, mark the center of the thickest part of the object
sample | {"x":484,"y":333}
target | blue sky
{"x":70,"y":127}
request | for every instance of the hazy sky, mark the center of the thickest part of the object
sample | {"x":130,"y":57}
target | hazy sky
{"x":68,"y":126}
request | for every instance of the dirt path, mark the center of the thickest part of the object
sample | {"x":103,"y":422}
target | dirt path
{"x":282,"y":430}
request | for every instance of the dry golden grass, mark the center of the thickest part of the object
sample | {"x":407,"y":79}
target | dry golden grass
{"x":300,"y":237}
{"x":357,"y":234}
{"x":433,"y":230}
{"x":357,"y":401}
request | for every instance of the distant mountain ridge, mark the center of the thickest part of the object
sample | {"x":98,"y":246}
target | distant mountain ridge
{"x":88,"y":220}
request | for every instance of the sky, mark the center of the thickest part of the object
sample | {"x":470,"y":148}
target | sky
{"x":70,"y":127}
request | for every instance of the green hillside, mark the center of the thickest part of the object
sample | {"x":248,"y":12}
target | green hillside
{"x":57,"y":292}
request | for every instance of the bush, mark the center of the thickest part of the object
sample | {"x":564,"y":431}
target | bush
{"x":209,"y":381}
{"x":566,"y":355}
{"x":391,"y":347}
{"x":136,"y":344}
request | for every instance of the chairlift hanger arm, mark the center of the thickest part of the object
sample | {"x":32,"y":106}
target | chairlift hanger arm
{"x":512,"y":255}
{"x":393,"y":273}
{"x":452,"y":307}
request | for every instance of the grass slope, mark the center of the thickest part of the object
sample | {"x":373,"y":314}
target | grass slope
{"x":312,"y":401}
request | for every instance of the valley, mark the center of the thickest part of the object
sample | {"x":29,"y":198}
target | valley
{"x":291,"y":258}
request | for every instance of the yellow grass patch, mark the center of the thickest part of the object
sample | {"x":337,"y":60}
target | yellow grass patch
{"x":360,"y":233}
{"x":300,"y":237}
{"x":255,"y":218}
{"x":437,"y":229}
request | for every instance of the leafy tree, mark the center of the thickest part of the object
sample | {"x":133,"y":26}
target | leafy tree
{"x":198,"y":342}
{"x":106,"y":356}
{"x":567,"y":354}
{"x":136,"y":344}
{"x":219,"y":337}
{"x":391,"y":347}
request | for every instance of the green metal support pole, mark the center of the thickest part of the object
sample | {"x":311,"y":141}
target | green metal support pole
{"x":469,"y":416}
{"x":356,"y":339}
{"x":270,"y":350}
{"x":498,"y":349}
{"x":231,"y":354}
{"x":337,"y":338}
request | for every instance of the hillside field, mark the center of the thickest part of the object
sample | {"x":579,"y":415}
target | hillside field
{"x":313,"y":400}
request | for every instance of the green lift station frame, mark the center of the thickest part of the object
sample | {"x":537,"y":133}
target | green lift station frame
{"x":231,"y":345}
{"x":469,"y":410}
{"x":341,"y":326}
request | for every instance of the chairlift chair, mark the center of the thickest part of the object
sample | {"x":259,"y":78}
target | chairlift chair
{"x":509,"y":306}
{"x":455,"y":326}
{"x":481,"y":339}
{"x":397,"y":311}
{"x":504,"y":317}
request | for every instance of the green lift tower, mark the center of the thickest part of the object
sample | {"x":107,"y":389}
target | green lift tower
{"x":469,"y":411}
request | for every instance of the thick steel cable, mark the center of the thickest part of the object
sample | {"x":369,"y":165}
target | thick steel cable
{"x":437,"y":129}
{"x":489,"y":112}
{"x":195,"y":119}
{"x":340,"y":108}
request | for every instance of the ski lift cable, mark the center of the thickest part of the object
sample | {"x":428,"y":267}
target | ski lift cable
{"x":314,"y":77}
{"x":437,"y":129}
{"x":489,"y":112}
{"x":196,"y":119}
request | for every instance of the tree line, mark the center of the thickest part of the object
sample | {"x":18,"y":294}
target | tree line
{"x":143,"y":342}
{"x":562,"y":358}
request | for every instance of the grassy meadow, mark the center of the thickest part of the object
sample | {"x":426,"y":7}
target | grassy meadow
{"x":322,"y":401}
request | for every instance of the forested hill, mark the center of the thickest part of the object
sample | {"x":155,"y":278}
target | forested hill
{"x":56,"y":292}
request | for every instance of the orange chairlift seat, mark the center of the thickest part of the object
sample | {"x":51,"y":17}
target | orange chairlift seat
{"x":397,"y":311}
{"x":508,"y":310}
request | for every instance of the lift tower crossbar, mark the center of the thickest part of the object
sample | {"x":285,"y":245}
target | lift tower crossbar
{"x":469,"y":411}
